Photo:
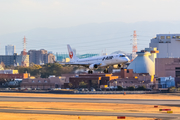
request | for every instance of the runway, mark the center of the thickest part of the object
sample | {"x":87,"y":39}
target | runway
{"x":163,"y":116}
{"x":92,"y":100}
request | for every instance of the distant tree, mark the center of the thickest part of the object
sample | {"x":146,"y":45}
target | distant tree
{"x":31,"y":64}
{"x":141,"y":88}
{"x":51,"y":69}
{"x":35,"y":66}
{"x":45,"y":70}
{"x":131,"y":88}
{"x":119,"y":88}
{"x":66,"y":69}
{"x":9,"y":67}
{"x":172,"y":89}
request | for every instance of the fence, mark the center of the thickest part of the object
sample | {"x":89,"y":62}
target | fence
{"x":115,"y":92}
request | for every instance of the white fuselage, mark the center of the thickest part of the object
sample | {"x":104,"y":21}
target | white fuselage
{"x":104,"y":60}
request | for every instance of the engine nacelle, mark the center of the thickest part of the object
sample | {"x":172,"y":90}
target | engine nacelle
{"x":119,"y":65}
{"x":93,"y":66}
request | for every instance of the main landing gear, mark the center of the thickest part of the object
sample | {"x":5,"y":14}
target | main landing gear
{"x":106,"y":70}
{"x":90,"y":72}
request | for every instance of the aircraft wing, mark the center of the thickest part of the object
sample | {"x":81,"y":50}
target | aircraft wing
{"x":82,"y":64}
{"x":72,"y":63}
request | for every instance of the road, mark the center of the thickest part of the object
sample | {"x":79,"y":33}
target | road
{"x":163,"y":116}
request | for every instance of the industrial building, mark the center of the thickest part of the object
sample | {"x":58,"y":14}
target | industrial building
{"x":167,"y":62}
{"x":14,"y":83}
{"x":8,"y":60}
{"x":127,"y":78}
{"x":22,"y":60}
{"x":165,"y":82}
{"x":90,"y":80}
{"x":145,"y":61}
{"x":10,"y":50}
{"x":14,"y":76}
{"x":177,"y":82}
{"x":40,"y":57}
{"x":9,"y":71}
{"x":124,"y":78}
{"x":43,"y":83}
{"x":165,"y":67}
{"x":167,"y":44}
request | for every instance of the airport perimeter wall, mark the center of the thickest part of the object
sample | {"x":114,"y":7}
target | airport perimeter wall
{"x":82,"y":92}
{"x":115,"y":92}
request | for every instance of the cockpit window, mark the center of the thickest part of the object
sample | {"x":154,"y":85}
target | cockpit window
{"x":122,"y":56}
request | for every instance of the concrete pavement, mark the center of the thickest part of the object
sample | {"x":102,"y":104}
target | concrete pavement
{"x":79,"y":113}
{"x":92,"y":100}
{"x":163,"y":116}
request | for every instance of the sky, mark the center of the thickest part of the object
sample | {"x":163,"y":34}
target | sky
{"x":21,"y":15}
{"x":27,"y":15}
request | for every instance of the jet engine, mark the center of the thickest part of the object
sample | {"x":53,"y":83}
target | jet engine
{"x":119,"y":65}
{"x":93,"y":66}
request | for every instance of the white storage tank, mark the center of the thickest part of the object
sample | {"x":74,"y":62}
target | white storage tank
{"x":142,"y":63}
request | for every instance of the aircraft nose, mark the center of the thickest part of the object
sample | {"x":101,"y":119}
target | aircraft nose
{"x":127,"y":59}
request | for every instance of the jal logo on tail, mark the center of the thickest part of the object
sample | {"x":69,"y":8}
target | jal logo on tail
{"x":71,"y":55}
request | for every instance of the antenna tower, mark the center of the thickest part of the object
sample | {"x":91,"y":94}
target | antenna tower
{"x":23,"y":63}
{"x":134,"y":48}
{"x":24,"y":46}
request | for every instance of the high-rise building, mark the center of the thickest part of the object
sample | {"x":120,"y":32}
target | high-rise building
{"x":13,"y":60}
{"x":40,"y":57}
{"x":10,"y":49}
{"x":22,"y":60}
{"x":167,"y":44}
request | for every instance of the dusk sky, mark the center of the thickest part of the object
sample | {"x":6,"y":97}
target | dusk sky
{"x":22,"y":15}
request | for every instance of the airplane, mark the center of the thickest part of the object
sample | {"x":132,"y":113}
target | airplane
{"x":93,"y":63}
